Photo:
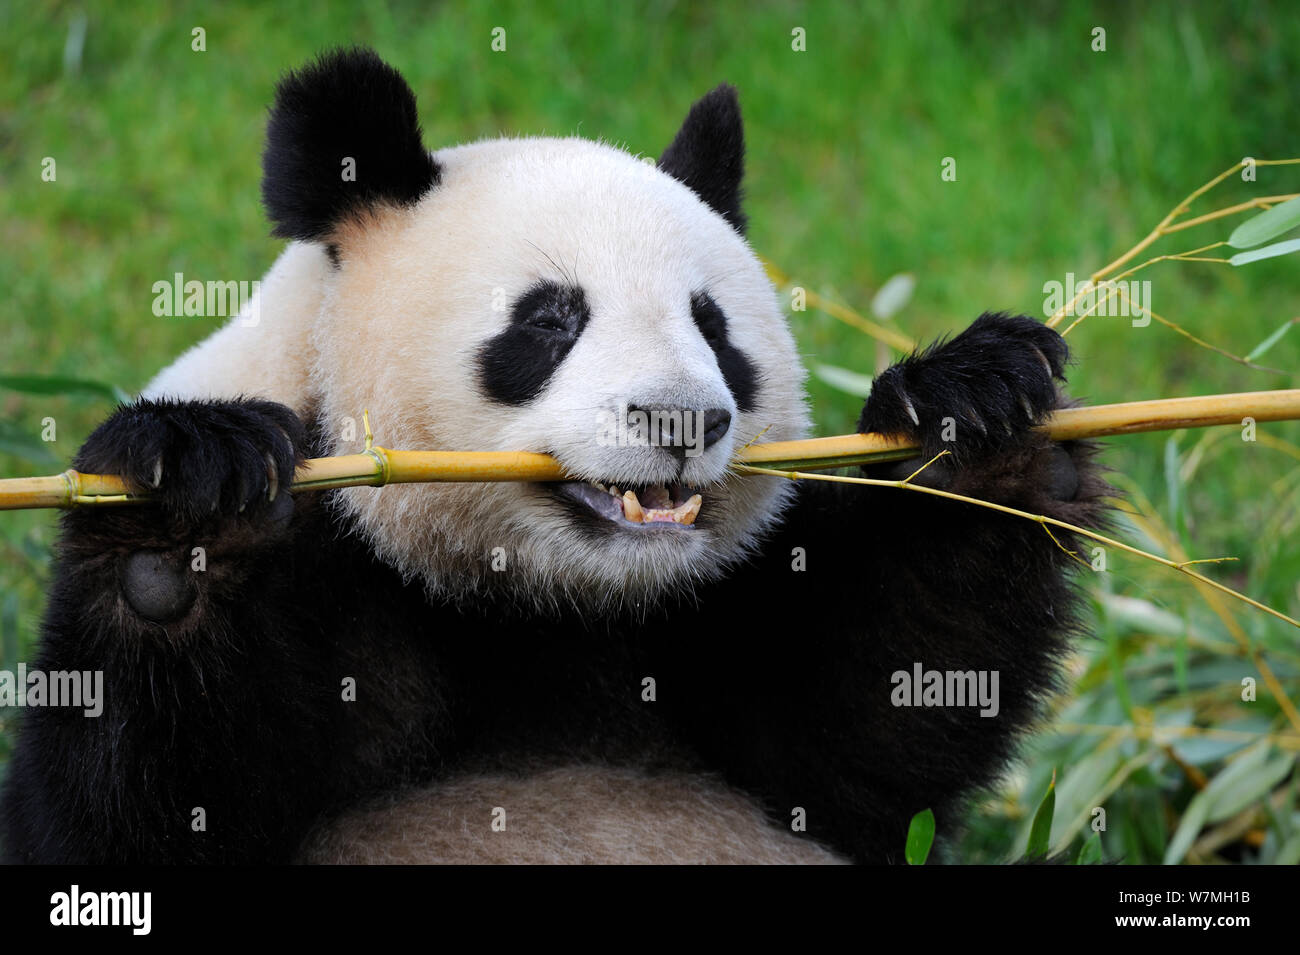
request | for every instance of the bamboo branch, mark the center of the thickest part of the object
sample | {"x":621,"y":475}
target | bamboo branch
{"x":378,"y":466}
{"x":1168,"y":225}
{"x":1146,"y":310}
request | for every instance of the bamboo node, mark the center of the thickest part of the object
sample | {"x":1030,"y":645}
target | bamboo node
{"x":71,"y":487}
{"x":380,"y":457}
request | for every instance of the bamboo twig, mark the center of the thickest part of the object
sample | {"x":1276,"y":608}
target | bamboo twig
{"x":1161,"y":734}
{"x":378,"y":466}
{"x":1146,"y":310}
{"x":1045,"y":522}
{"x":848,"y":316}
{"x":1168,"y":225}
{"x":1260,"y":202}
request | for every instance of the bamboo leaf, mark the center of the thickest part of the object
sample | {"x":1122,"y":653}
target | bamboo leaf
{"x":1137,"y":614}
{"x":1289,"y":854}
{"x":1204,"y":751}
{"x":59,"y":385}
{"x":893,"y":295}
{"x":1269,"y":342}
{"x":1269,"y":223}
{"x":1268,"y":252}
{"x":1090,"y":851}
{"x":1241,"y":767}
{"x":1249,"y":789}
{"x":842,"y":379}
{"x":1115,"y":658}
{"x":1077,"y":789}
{"x":1040,"y":833}
{"x":920,"y":836}
{"x":1198,"y":810}
{"x":15,"y":441}
{"x":1173,"y":483}
{"x":9,"y":632}
{"x":1188,"y":827}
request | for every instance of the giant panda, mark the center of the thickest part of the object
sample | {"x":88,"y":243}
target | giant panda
{"x":659,"y":660}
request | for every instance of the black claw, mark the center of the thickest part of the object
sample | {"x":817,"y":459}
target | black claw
{"x":994,"y":380}
{"x":214,"y":454}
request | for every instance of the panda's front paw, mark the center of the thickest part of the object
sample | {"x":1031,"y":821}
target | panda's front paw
{"x":201,"y":460}
{"x":975,"y":395}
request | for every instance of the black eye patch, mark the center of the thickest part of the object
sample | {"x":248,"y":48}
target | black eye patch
{"x":545,"y":322}
{"x":737,"y":370}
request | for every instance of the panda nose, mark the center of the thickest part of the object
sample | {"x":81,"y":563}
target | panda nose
{"x":717,"y":422}
{"x":666,"y":432}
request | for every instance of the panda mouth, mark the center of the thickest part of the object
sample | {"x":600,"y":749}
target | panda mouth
{"x":673,"y":505}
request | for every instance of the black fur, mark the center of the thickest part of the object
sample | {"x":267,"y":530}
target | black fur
{"x":236,"y":705}
{"x":349,"y":103}
{"x":708,"y":153}
{"x":986,"y":387}
{"x":545,"y":323}
{"x":226,"y":453}
{"x":737,"y":370}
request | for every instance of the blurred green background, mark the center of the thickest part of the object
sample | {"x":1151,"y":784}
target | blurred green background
{"x":1065,"y":157}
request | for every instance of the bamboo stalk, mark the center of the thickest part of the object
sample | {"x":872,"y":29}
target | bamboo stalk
{"x":378,"y":466}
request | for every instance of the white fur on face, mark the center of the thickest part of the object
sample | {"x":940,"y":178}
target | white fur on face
{"x":421,"y":291}
{"x":419,"y":294}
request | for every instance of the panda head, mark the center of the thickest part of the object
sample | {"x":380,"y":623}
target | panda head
{"x":538,"y":294}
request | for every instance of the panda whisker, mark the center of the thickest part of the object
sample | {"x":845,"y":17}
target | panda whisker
{"x":569,"y":277}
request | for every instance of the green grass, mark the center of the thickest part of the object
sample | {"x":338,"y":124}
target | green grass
{"x":1065,"y":157}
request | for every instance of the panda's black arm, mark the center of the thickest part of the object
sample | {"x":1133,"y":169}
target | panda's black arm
{"x":180,"y":606}
{"x":787,"y":680}
{"x":224,"y":730}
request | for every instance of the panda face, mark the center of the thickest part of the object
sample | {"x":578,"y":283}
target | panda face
{"x":549,"y":295}
{"x":562,"y":296}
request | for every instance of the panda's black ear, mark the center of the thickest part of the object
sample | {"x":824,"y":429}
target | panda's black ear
{"x":708,"y":153}
{"x":343,"y":136}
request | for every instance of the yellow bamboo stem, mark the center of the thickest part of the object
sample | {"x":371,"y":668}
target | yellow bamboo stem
{"x":379,"y":466}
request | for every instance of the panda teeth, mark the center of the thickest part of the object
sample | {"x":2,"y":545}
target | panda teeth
{"x":684,"y":513}
{"x":687,"y":513}
{"x":654,"y":503}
